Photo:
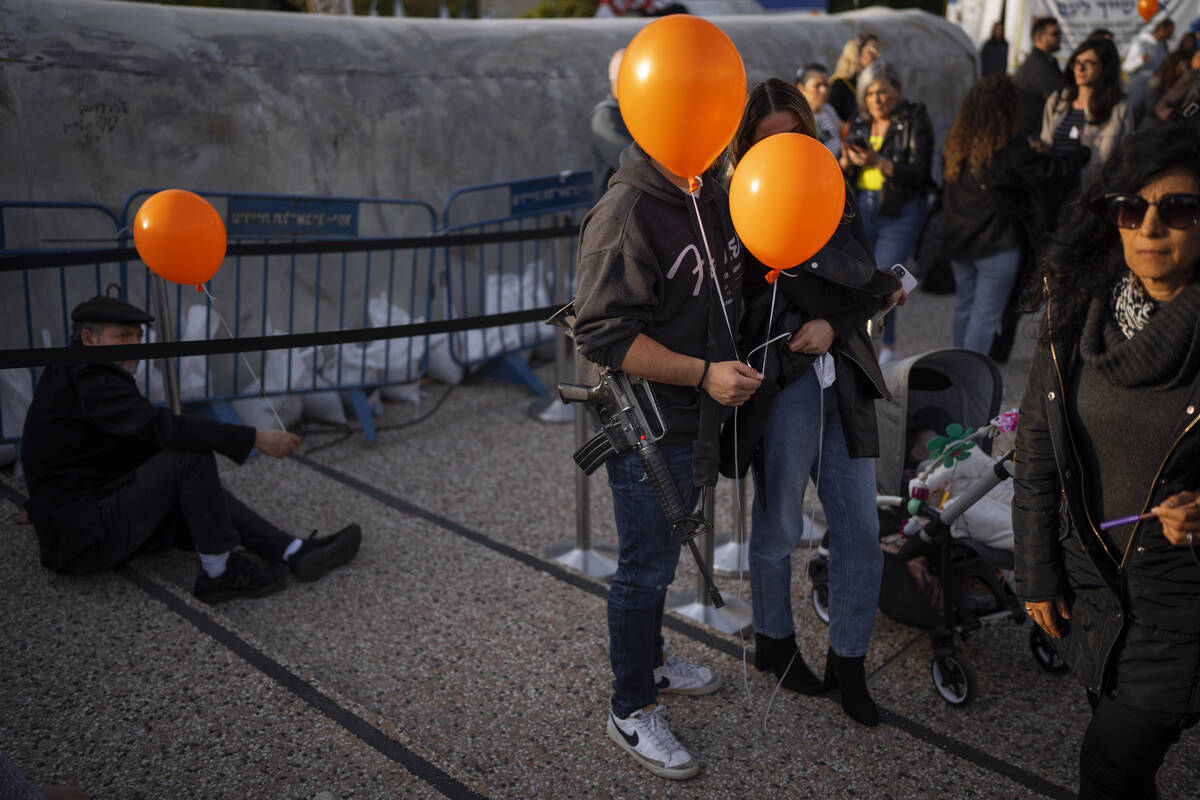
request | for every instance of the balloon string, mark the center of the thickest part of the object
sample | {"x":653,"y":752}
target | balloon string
{"x":262,"y":387}
{"x":712,"y":266}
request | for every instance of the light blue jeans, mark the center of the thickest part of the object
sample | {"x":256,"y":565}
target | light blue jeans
{"x":982,"y":287}
{"x":892,"y":240}
{"x":846,"y":487}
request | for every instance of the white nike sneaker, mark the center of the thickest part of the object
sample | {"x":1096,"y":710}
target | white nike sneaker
{"x":677,"y":676}
{"x":645,"y":736}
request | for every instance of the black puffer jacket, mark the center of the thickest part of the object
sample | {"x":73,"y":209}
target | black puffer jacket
{"x":840,"y":285}
{"x":1139,"y":609}
{"x":908,"y":144}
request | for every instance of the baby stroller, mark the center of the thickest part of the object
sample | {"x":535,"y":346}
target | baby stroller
{"x":974,"y":580}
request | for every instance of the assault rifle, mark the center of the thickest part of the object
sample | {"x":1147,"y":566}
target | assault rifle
{"x":618,"y":403}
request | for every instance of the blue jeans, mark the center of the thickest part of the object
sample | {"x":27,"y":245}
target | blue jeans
{"x":982,"y":286}
{"x":846,"y":487}
{"x":645,"y":567}
{"x":892,"y":240}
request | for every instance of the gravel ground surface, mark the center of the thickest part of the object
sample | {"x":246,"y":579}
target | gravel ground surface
{"x":454,"y":658}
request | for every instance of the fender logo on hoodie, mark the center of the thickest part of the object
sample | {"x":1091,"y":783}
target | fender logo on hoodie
{"x":697,"y":268}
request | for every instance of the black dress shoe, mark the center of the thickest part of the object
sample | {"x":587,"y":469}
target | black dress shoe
{"x":319,"y":554}
{"x":782,"y":657}
{"x":849,"y":675}
{"x":243,"y":577}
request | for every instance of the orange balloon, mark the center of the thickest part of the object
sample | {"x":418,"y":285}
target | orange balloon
{"x":1147,"y":9}
{"x":681,"y":89}
{"x":786,"y":199}
{"x":180,"y":236}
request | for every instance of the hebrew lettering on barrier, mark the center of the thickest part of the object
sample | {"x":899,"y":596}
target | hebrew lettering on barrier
{"x":1068,"y":9}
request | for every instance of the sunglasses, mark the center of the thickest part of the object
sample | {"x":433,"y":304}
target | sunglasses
{"x":1179,"y":211}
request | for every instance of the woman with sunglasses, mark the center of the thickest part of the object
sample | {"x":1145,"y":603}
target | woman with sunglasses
{"x":1110,"y":430}
{"x":796,"y":426}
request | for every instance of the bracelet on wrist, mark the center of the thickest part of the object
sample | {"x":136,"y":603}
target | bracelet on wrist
{"x":703,"y":375}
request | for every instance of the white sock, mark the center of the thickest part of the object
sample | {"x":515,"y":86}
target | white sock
{"x":214,"y":565}
{"x":292,"y":548}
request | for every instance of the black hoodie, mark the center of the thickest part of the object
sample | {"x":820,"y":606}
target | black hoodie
{"x":642,"y":269}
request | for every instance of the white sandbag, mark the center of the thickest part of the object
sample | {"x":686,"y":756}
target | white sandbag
{"x":156,"y":392}
{"x":403,"y":393}
{"x":323,"y":407}
{"x":193,"y":382}
{"x":442,"y":367}
{"x":256,"y":411}
{"x":509,"y":292}
{"x":401,"y":356}
{"x":16,"y":393}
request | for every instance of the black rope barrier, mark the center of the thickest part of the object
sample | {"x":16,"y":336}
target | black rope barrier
{"x":16,"y":359}
{"x":14,"y":262}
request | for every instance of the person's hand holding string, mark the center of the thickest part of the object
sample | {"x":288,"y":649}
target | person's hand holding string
{"x":275,"y":443}
{"x":730,"y":383}
{"x":814,"y":337}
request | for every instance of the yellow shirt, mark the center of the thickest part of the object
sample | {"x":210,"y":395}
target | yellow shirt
{"x":871,"y":178}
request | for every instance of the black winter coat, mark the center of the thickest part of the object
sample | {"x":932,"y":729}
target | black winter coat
{"x":87,"y":429}
{"x":1144,"y":603}
{"x":908,"y":144}
{"x":997,"y":210}
{"x":841,"y":285}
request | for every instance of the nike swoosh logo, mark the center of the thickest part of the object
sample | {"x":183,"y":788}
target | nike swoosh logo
{"x":631,"y":738}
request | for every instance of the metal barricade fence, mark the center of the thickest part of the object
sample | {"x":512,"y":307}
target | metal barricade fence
{"x":261,"y":295}
{"x":265,"y":294}
{"x":35,"y":306}
{"x":512,"y":276}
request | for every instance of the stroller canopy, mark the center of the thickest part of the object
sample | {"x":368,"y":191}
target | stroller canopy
{"x":963,"y":384}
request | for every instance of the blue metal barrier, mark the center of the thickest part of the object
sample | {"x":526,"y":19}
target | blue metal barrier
{"x":511,"y":276}
{"x":258,"y":295}
{"x":33,"y":226}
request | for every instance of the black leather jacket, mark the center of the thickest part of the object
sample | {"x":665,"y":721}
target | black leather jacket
{"x":908,"y":144}
{"x":1141,"y":603}
{"x":848,"y":291}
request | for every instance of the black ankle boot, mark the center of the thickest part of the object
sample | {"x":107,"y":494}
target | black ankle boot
{"x":849,"y":675}
{"x":781,"y":656}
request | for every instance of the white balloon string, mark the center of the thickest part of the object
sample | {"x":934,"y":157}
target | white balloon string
{"x":262,"y":387}
{"x":712,"y":266}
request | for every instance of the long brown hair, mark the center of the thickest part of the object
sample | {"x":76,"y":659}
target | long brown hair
{"x":986,"y":122}
{"x":765,"y":99}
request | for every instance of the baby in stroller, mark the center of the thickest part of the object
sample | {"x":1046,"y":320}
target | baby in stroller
{"x":940,"y":467}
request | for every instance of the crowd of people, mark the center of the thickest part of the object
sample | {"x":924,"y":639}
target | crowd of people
{"x":1073,"y":192}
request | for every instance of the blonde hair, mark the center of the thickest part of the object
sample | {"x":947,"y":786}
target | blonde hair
{"x":847,"y":63}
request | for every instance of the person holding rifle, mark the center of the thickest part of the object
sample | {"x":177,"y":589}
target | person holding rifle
{"x":649,"y":303}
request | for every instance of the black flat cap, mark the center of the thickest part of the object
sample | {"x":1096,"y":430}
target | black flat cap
{"x":109,"y":309}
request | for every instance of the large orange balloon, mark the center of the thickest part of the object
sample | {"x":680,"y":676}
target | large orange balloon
{"x":682,"y":88}
{"x":1147,"y":9}
{"x":180,"y":236}
{"x":787,"y":197}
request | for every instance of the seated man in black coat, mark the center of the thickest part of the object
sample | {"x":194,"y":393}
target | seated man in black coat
{"x":111,"y":476}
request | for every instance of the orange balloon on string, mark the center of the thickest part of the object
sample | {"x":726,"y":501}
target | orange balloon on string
{"x":681,"y":89}
{"x":180,"y":236}
{"x":786,"y":198}
{"x":1147,"y":9}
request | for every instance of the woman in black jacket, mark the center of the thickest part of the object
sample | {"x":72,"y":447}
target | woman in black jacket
{"x":889,"y":148}
{"x":1109,"y":430}
{"x":796,"y":426}
{"x":990,"y":182}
